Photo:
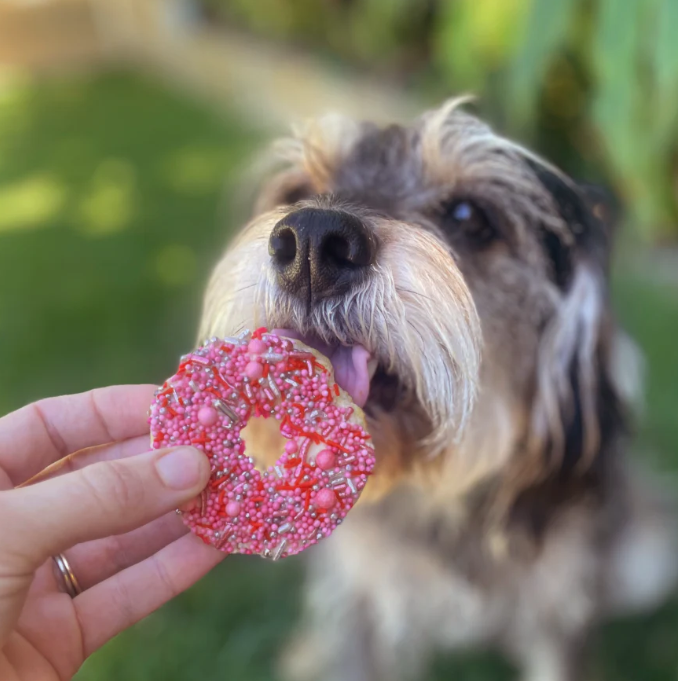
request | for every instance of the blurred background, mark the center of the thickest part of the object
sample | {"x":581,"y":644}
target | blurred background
{"x":126,"y":127}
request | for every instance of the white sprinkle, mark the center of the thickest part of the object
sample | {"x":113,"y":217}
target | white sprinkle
{"x":279,"y":550}
{"x":351,"y":484}
{"x":274,"y":387}
{"x":284,"y":528}
{"x":225,"y":409}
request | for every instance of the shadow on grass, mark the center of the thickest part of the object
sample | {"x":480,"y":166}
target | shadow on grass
{"x":109,"y":196}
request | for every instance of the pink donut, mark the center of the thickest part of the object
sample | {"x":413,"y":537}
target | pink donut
{"x":327,"y":457}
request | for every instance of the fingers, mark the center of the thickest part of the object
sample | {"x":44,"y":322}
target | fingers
{"x":119,"y":602}
{"x":43,"y":432}
{"x":95,"y":561}
{"x":98,"y":501}
{"x":86,"y":457}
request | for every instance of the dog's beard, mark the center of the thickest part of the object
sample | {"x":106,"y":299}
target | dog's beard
{"x":413,"y":315}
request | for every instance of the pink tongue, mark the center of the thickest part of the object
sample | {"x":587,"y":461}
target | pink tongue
{"x":350,"y":364}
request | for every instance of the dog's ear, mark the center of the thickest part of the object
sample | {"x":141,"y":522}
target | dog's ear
{"x":604,"y":206}
{"x":576,"y":412}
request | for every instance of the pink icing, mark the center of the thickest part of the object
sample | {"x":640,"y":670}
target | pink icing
{"x":316,"y":481}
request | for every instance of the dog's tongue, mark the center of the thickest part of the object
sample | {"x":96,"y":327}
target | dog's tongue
{"x":350,"y":364}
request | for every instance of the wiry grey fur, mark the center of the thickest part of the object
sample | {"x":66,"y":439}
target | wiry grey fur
{"x":503,"y":510}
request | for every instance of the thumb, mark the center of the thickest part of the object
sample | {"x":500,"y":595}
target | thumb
{"x":104,"y":499}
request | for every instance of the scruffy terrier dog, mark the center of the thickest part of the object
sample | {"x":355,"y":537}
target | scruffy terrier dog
{"x":474,"y":276}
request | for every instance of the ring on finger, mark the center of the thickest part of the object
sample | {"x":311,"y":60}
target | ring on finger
{"x":66,"y":576}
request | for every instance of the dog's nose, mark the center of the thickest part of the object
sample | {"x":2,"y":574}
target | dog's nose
{"x":318,"y":252}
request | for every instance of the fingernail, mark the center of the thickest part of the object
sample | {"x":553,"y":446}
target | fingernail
{"x":180,"y":468}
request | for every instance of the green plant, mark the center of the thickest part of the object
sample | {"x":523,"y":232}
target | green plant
{"x":593,"y":83}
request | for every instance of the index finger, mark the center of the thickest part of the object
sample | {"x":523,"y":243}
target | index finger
{"x":43,"y":432}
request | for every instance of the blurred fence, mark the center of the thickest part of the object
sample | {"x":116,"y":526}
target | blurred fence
{"x":271,"y":85}
{"x":591,"y":83}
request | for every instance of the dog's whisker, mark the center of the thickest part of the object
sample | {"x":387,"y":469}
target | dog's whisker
{"x":413,"y":293}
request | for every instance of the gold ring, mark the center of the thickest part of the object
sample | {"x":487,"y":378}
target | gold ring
{"x":67,"y":576}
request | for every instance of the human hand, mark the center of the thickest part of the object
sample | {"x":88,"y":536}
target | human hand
{"x":108,"y":507}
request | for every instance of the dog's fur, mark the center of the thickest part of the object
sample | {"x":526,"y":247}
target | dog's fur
{"x":503,"y":510}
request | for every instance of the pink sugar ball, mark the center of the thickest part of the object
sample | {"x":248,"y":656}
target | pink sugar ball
{"x":325,"y":498}
{"x":256,"y":347}
{"x":291,"y":446}
{"x":325,"y":459}
{"x":208,"y":416}
{"x":254,"y":371}
{"x":232,"y":508}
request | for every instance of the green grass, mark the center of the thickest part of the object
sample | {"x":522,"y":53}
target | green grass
{"x":110,"y":195}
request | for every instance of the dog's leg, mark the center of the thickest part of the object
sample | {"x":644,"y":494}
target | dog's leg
{"x":342,"y":651}
{"x":550,"y":658}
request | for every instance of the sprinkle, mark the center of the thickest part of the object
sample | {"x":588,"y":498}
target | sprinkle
{"x":273,"y":387}
{"x":284,"y":528}
{"x":279,"y":550}
{"x":351,"y":484}
{"x":194,"y":386}
{"x":291,"y":382}
{"x":303,"y":450}
{"x":199,"y":360}
{"x":225,"y":409}
{"x":223,"y":540}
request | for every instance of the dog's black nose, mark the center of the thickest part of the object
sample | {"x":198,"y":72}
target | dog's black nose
{"x":319,"y":252}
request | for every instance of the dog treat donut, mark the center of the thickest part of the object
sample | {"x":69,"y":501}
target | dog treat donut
{"x":327,"y":456}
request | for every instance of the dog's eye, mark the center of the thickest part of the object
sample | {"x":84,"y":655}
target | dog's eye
{"x":463,"y":217}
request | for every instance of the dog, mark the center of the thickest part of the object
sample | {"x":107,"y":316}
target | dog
{"x":504,"y":510}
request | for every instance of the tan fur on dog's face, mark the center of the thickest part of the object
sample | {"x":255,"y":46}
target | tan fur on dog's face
{"x":481,"y":305}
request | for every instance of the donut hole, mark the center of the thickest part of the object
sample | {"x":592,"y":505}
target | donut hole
{"x":263,"y":441}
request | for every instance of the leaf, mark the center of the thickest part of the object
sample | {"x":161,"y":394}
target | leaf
{"x":620,"y":109}
{"x":664,"y":59}
{"x":475,"y":37}
{"x":545,"y":32}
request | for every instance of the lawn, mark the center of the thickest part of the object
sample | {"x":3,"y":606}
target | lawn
{"x":115,"y":199}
